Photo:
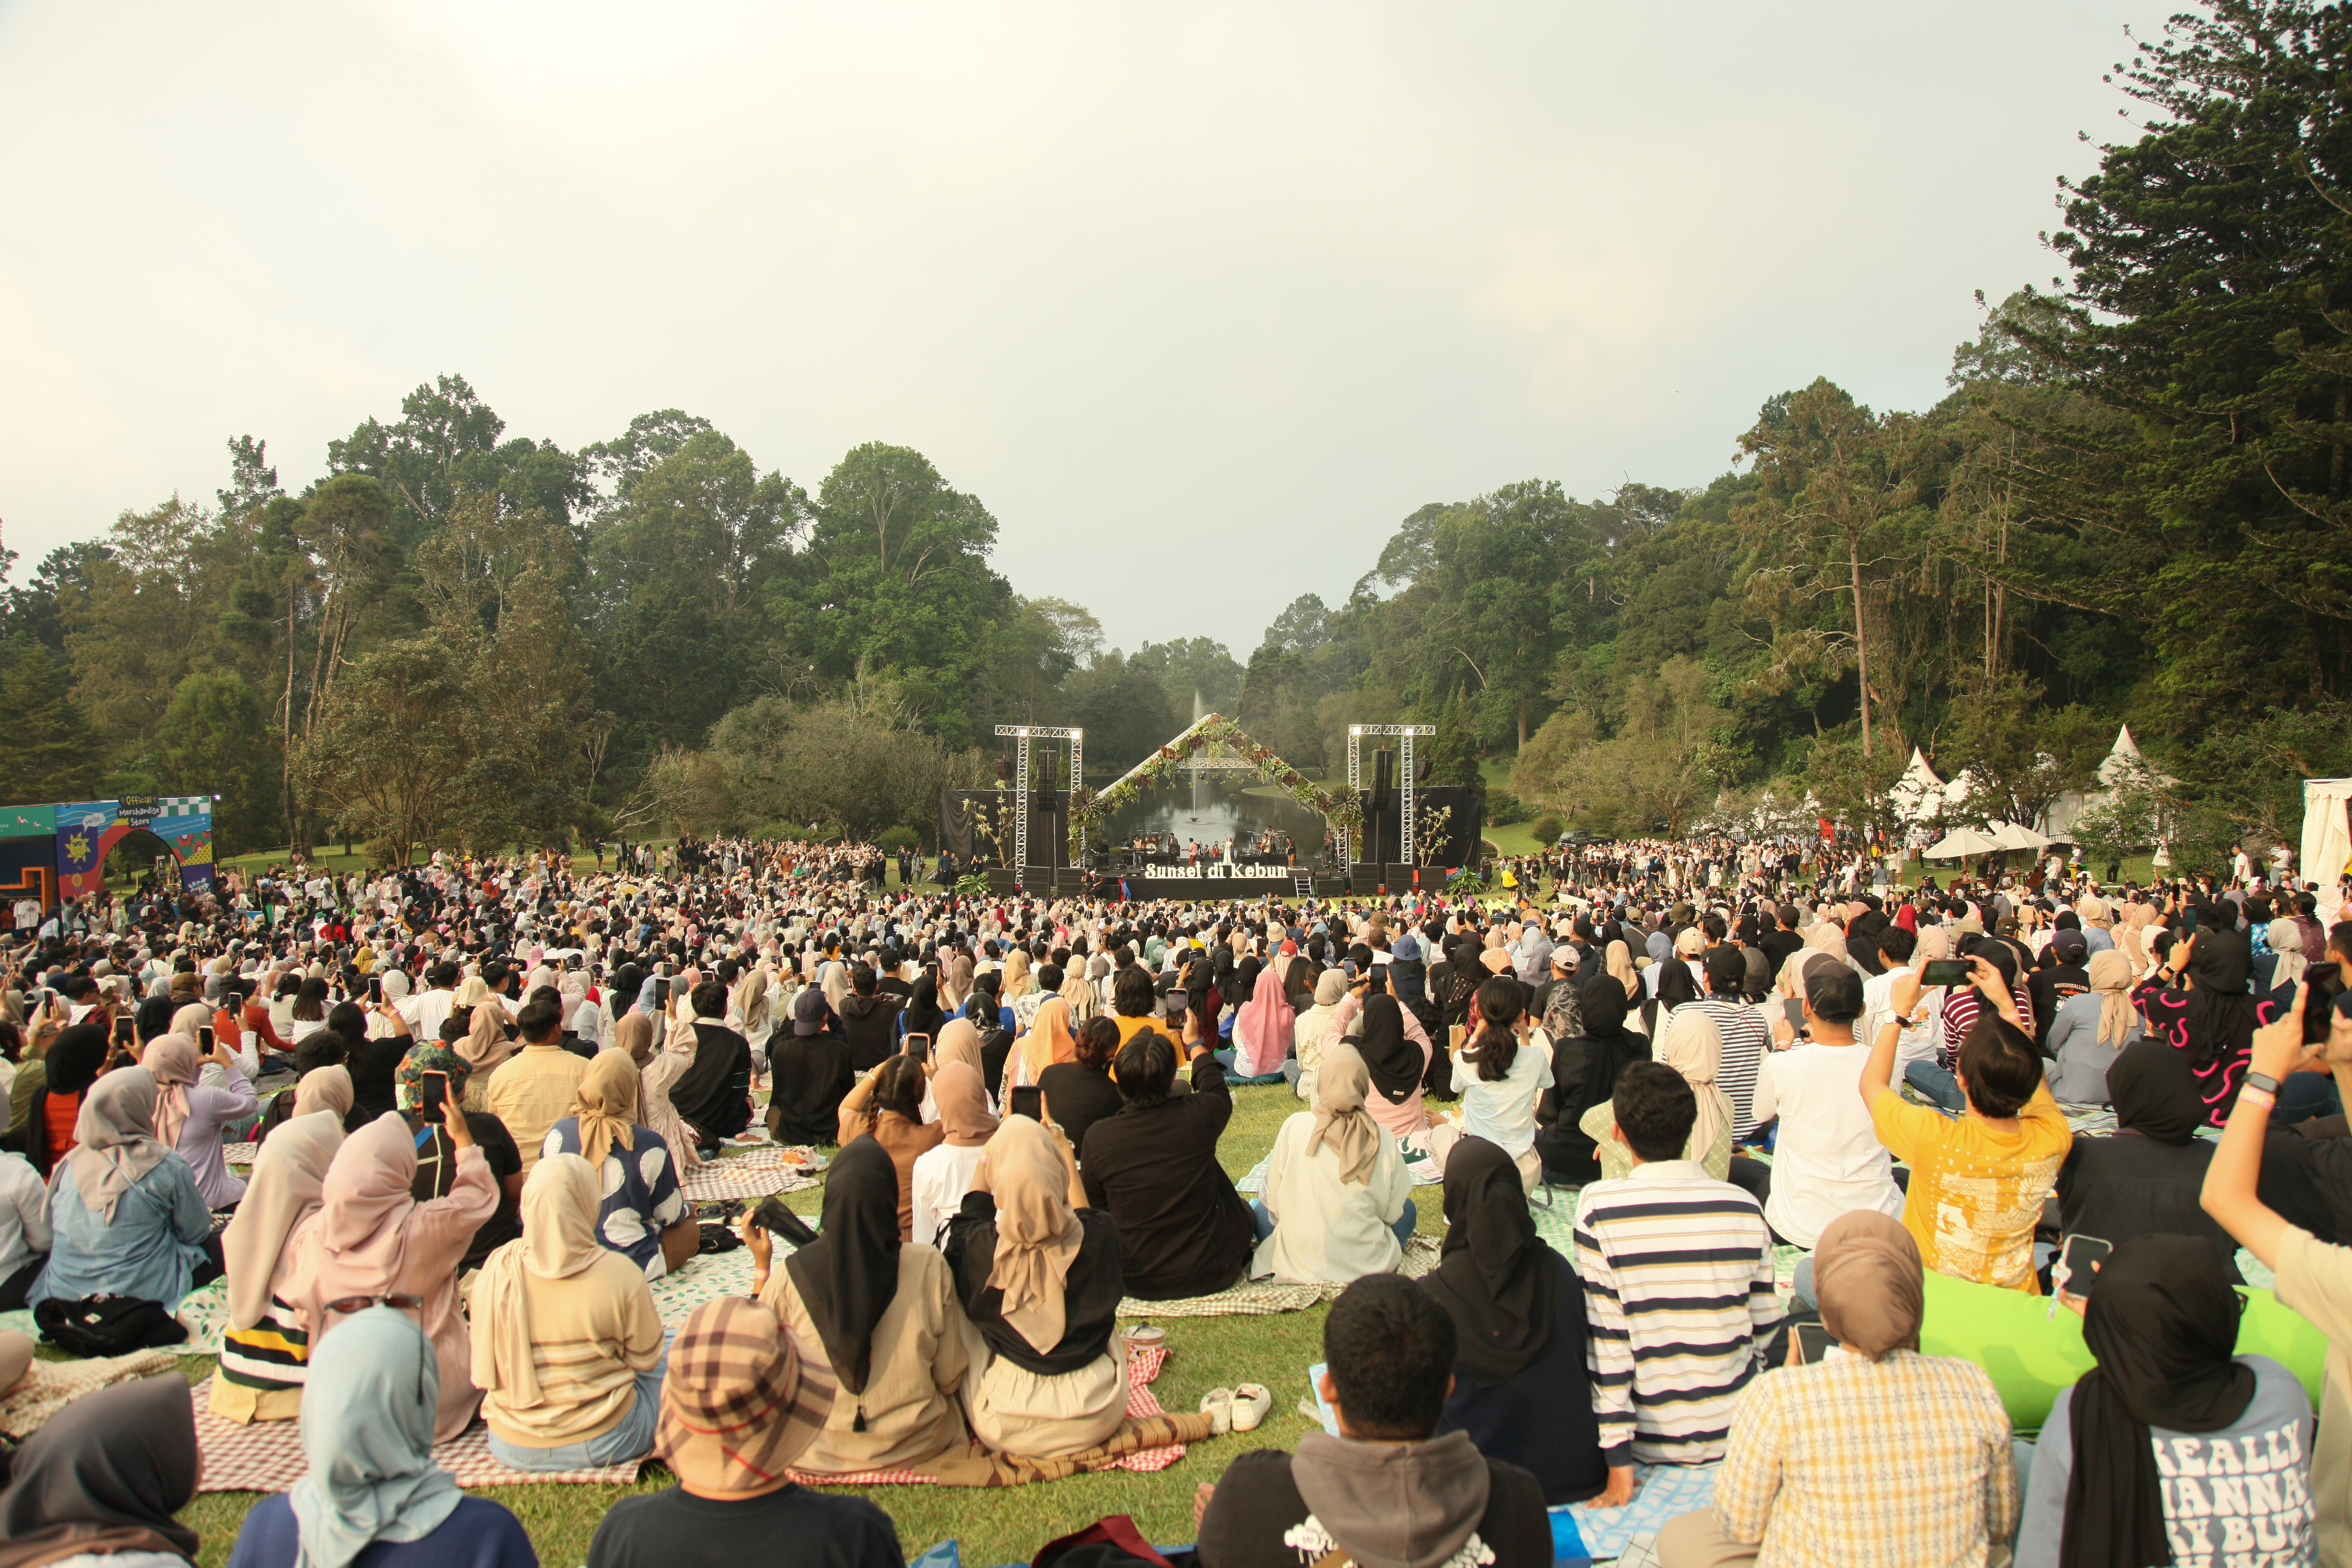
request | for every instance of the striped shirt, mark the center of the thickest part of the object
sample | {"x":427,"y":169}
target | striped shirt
{"x":1745,"y":1042}
{"x":1677,"y":1271}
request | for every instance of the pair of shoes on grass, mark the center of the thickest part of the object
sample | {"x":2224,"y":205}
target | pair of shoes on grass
{"x":1237,"y":1409}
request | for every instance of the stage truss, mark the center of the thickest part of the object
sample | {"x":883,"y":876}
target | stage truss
{"x":1405,"y":734}
{"x":1023,"y":734}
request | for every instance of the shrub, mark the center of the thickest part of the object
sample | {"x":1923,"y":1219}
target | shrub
{"x":1503,"y":808}
{"x":1547,"y":828}
{"x":894,"y":839}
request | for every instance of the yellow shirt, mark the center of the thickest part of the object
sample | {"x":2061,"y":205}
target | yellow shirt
{"x":1976,"y":1193}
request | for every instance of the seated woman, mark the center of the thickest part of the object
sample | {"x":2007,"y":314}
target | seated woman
{"x":1692,"y":1047}
{"x":642,"y":1216}
{"x":1584,"y":1070}
{"x":1396,"y":1052}
{"x":1182,"y":1229}
{"x":370,"y":1240}
{"x":2167,"y":1393}
{"x":660,"y":1059}
{"x":322,"y":1085}
{"x":888,"y":1106}
{"x":372,"y":1494}
{"x":2211,"y":1020}
{"x":436,"y":1155}
{"x":58,"y":1080}
{"x":1038,"y":1274}
{"x":1339,"y":1199}
{"x":1500,"y":1070}
{"x":881,"y":1311}
{"x":943,"y":1174}
{"x":124,"y":1212}
{"x":101,"y":1481}
{"x":1049,"y":1039}
{"x":189,"y":1115}
{"x":2090,"y":1031}
{"x":1307,"y":1022}
{"x":1078,"y":1094}
{"x":567,"y":1347}
{"x":264,"y":1353}
{"x":2144,"y":1178}
{"x":1792,"y":1487}
{"x":1265,"y":1030}
{"x":1522,"y":1388}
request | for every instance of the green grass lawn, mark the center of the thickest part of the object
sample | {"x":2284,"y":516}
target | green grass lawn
{"x":1005,"y":1525}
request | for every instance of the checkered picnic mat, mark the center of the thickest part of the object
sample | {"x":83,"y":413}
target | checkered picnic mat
{"x":1661,"y":1492}
{"x":240,"y":1153}
{"x":1262,"y":1299}
{"x":267,"y":1456}
{"x":1141,"y":1405}
{"x":754,"y":1174}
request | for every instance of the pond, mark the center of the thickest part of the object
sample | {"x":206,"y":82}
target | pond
{"x":1210,"y":813}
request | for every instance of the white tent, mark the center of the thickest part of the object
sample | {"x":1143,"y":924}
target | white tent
{"x":1962,"y":841}
{"x":2010,"y":836}
{"x":1918,"y":795}
{"x":2327,"y":837}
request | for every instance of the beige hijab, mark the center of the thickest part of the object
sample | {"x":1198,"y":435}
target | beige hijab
{"x":114,"y":1138}
{"x":606,"y":1104}
{"x":2286,"y":940}
{"x":2111,"y":976}
{"x":1340,"y":1084}
{"x":1620,"y":960}
{"x":486,"y":1044}
{"x":1038,"y":1232}
{"x":324,"y":1089}
{"x":1692,"y":1045}
{"x":284,"y":1190}
{"x":558,"y":1240}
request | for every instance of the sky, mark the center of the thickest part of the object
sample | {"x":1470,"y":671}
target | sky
{"x":1200,"y":300}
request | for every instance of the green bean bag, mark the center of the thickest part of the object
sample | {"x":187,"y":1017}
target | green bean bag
{"x":2031,"y":1356}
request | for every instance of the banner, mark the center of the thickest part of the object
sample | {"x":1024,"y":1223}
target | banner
{"x":88,"y":829}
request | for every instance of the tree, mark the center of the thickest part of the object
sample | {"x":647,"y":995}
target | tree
{"x":1856,"y":789}
{"x":1193,"y":667}
{"x":49,"y":755}
{"x":2017,"y":756}
{"x":447,"y":442}
{"x":1123,"y":709}
{"x":391,"y":744}
{"x":1658,"y":773}
{"x":216,"y":740}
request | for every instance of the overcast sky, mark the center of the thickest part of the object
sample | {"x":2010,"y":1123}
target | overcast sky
{"x":1200,"y":300}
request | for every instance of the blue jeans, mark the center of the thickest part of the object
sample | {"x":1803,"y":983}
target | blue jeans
{"x":1404,"y":1225}
{"x":633,"y":1439}
{"x":2305,"y":1095}
{"x":1937,"y":1085}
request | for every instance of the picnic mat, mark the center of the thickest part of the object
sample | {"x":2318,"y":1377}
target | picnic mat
{"x":1661,"y":1492}
{"x":267,"y":1456}
{"x":1136,"y":1447}
{"x":50,"y":1386}
{"x":240,"y":1153}
{"x":754,"y":1174}
{"x":1262,"y":1299}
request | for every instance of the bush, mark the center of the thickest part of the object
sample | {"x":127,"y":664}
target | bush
{"x":1503,"y":808}
{"x":1547,"y":828}
{"x":792,"y":831}
{"x":894,"y":839}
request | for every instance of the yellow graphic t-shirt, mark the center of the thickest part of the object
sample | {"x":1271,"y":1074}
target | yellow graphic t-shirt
{"x":1976,"y":1193}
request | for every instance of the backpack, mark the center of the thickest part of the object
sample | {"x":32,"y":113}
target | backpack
{"x":107,"y":1325}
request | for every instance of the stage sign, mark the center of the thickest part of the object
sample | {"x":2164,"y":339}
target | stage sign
{"x":1216,"y":880}
{"x":85,"y":830}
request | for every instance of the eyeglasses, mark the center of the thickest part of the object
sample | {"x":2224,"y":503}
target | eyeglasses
{"x":346,"y":1305}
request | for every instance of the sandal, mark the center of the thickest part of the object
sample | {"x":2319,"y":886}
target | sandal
{"x":1217,"y":1404}
{"x":1252,"y":1401}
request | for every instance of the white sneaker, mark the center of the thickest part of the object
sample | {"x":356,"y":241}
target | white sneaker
{"x":1252,"y":1401}
{"x":1217,"y":1404}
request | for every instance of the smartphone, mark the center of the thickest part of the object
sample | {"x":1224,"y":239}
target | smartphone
{"x":375,"y":989}
{"x":2078,"y":1262}
{"x":918,"y":1046}
{"x":1947,"y":972}
{"x":434,"y":1092}
{"x":122,"y":1030}
{"x":661,"y":994}
{"x":1029,"y":1101}
{"x":1795,"y":1009}
{"x":2189,"y":921}
{"x":1813,"y":1343}
{"x":205,"y":1037}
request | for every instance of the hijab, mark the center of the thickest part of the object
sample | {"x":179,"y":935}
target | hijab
{"x":606,"y":1105}
{"x":75,"y":1057}
{"x":2218,"y":1013}
{"x":848,"y":1274}
{"x":1497,"y":1279}
{"x":1692,"y":1045}
{"x":105,"y":1474}
{"x":1329,"y":986}
{"x":1263,"y":1031}
{"x":1394,"y":1062}
{"x":367,"y":1430}
{"x":1340,"y":1084}
{"x":2286,"y":942}
{"x":1038,"y":1232}
{"x":1870,"y":1283}
{"x":958,"y":1041}
{"x":558,"y":1241}
{"x":922,"y":1015}
{"x":364,"y":1204}
{"x":2154,"y":1092}
{"x":172,"y":1059}
{"x":1049,"y":1039}
{"x":2163,"y":1326}
{"x":1619,"y":961}
{"x":283,"y":1192}
{"x":2110,"y":974}
{"x":2137,"y":918}
{"x":324,"y":1089}
{"x":486,"y":1044}
{"x":634,"y":1033}
{"x":962,"y":1102}
{"x":114,"y":1139}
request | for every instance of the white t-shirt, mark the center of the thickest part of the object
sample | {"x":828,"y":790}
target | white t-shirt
{"x":941,"y":1177}
{"x":1504,"y":1112}
{"x":1917,"y":1041}
{"x":1827,"y":1160}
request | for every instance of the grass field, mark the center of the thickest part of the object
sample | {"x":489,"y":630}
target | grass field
{"x":1007,"y":1525}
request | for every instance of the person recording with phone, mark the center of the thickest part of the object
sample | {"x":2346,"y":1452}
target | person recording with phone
{"x":2197,"y":1001}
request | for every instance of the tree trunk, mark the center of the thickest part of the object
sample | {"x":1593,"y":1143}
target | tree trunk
{"x":1860,"y":652}
{"x":286,"y":731}
{"x":1523,"y":723}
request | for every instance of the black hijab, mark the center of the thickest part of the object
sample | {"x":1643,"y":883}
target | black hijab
{"x":922,"y":1016}
{"x":1498,"y":1279}
{"x":1394,"y":1061}
{"x":76,"y":1059}
{"x":2155,"y":1093}
{"x":105,"y":1474}
{"x":2219,"y":1012}
{"x":849,"y":1274}
{"x":2163,"y":1324}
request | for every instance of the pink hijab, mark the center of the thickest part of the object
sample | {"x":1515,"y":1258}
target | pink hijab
{"x":172,"y":1059}
{"x":363,"y":1209}
{"x":1265,"y":1031}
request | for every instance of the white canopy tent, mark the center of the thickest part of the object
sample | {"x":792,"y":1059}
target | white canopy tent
{"x":2010,"y":835}
{"x":1962,"y":841}
{"x":2326,"y":834}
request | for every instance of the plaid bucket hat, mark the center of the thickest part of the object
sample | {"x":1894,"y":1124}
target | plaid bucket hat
{"x":739,"y":1405}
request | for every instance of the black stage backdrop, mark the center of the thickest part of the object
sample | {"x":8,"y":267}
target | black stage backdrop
{"x":980,"y":821}
{"x":1454,"y":836}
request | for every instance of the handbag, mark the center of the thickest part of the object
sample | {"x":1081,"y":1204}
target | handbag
{"x":107,"y":1325}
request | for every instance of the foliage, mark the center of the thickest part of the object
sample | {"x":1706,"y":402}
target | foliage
{"x":2016,"y":755}
{"x":1546,"y":829}
{"x":391,"y":738}
{"x":1087,"y":808}
{"x":216,"y":740}
{"x":1849,"y":786}
{"x":2251,"y":772}
{"x":2131,"y":817}
{"x":47,"y":757}
{"x":1657,"y":774}
{"x":1503,"y":808}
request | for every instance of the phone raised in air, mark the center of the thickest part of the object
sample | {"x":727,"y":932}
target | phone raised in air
{"x":122,"y":1030}
{"x":375,"y":989}
{"x":1795,"y":1010}
{"x":205,"y":1037}
{"x":1947,"y":972}
{"x":2078,"y":1262}
{"x":661,"y":994}
{"x":918,"y":1044}
{"x":1029,"y":1101}
{"x":433,"y":1092}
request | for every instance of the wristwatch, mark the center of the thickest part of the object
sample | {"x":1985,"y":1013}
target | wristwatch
{"x":2263,"y":1082}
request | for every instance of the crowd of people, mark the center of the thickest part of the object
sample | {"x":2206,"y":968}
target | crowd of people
{"x":486,"y":1082}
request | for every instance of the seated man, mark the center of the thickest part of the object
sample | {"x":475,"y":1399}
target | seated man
{"x":1386,"y":1490}
{"x":1677,"y":1271}
{"x":1977,"y":1180}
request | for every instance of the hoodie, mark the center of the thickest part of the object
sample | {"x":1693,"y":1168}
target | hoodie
{"x":1436,"y":1504}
